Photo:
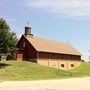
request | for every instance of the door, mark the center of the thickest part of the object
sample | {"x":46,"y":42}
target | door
{"x":19,"y":55}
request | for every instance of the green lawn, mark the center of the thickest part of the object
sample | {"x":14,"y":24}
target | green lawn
{"x":82,"y":70}
{"x":16,"y":70}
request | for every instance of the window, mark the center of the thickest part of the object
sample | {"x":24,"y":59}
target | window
{"x":62,"y":65}
{"x":24,"y":44}
{"x":72,"y":65}
{"x":54,"y":65}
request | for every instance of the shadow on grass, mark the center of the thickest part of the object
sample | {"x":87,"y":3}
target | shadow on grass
{"x":3,"y":65}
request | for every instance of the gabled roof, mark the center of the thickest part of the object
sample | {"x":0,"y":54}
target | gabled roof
{"x":43,"y":45}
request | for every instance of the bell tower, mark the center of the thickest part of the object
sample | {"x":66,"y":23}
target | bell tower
{"x":28,"y":30}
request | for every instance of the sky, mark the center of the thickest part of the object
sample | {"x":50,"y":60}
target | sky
{"x":59,"y":20}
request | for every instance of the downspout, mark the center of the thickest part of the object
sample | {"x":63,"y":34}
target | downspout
{"x":37,"y":56}
{"x":67,"y":61}
{"x":48,"y":60}
{"x":75,"y":62}
{"x":58,"y":62}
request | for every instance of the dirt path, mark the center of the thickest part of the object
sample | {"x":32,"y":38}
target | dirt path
{"x":64,"y":84}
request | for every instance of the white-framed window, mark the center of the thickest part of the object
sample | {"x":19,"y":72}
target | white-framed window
{"x":54,"y":65}
{"x":24,"y":44}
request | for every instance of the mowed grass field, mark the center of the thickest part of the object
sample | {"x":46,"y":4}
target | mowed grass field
{"x":24,"y":70}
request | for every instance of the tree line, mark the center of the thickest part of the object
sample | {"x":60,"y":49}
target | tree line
{"x":8,"y":39}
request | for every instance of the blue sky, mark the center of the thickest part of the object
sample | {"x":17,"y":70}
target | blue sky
{"x":60,"y":20}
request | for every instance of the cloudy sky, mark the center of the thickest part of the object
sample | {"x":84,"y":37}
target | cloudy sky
{"x":60,"y":20}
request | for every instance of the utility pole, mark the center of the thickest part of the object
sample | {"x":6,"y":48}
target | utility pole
{"x":89,"y":55}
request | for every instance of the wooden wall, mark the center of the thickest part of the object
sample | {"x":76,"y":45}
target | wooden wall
{"x":61,"y":61}
{"x":26,"y":50}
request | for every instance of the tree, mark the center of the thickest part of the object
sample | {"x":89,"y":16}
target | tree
{"x":8,"y":39}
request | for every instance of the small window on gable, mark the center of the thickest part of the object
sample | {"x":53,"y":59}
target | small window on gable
{"x":23,"y":44}
{"x":62,"y":65}
{"x":72,"y":65}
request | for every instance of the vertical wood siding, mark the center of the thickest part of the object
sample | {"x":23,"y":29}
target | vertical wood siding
{"x":26,"y":50}
{"x":56,"y":60}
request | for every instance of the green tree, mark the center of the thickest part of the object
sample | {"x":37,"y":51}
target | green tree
{"x":8,"y":39}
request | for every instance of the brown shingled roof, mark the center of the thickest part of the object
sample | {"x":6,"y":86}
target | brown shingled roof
{"x":43,"y":45}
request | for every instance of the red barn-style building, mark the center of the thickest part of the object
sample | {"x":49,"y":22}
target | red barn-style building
{"x":47,"y":52}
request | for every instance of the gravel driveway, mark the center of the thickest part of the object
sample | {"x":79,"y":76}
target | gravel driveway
{"x":63,"y":84}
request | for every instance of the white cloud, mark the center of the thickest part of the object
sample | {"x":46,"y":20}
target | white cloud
{"x":65,"y":7}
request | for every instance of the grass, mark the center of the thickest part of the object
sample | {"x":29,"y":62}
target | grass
{"x":82,"y":71}
{"x":16,"y":70}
